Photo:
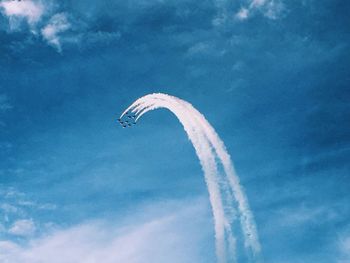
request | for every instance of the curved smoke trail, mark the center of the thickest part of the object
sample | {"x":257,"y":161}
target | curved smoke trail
{"x":209,"y":148}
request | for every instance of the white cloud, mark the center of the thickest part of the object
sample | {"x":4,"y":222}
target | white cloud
{"x":37,"y":16}
{"x":199,"y":48}
{"x":54,"y":28}
{"x":105,"y":37}
{"x":269,"y":8}
{"x":242,"y":14}
{"x":30,"y":11}
{"x":23,"y":227}
{"x":303,"y":215}
{"x":344,"y":250}
{"x":15,"y":207}
{"x":345,"y":245}
{"x":274,"y":9}
{"x":209,"y":49}
{"x":177,"y":236}
{"x":8,"y":208}
{"x":7,"y":248}
{"x":257,"y":3}
{"x":57,"y":25}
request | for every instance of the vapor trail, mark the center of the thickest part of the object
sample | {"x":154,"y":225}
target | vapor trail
{"x":208,"y":147}
{"x":246,"y":217}
{"x":205,"y":155}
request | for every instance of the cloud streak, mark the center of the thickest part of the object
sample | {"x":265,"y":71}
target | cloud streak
{"x":56,"y":26}
{"x":23,"y":227}
{"x":269,"y":8}
{"x":168,"y":237}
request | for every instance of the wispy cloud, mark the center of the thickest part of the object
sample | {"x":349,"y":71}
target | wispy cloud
{"x":56,"y":28}
{"x":170,"y":237}
{"x":40,"y":17}
{"x":30,"y":11}
{"x":243,"y":13}
{"x":23,"y":227}
{"x":269,"y":8}
{"x":16,"y":211}
{"x":8,"y":208}
{"x":303,"y":215}
{"x":344,"y":249}
{"x":205,"y":48}
{"x":51,"y":32}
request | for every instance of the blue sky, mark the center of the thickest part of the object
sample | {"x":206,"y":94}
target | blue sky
{"x":271,"y":77}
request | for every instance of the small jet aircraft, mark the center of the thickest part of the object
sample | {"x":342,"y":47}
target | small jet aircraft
{"x":129,"y":121}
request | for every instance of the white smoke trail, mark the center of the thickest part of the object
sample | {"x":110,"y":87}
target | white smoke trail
{"x":206,"y":158}
{"x":247,"y":220}
{"x":206,"y":142}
